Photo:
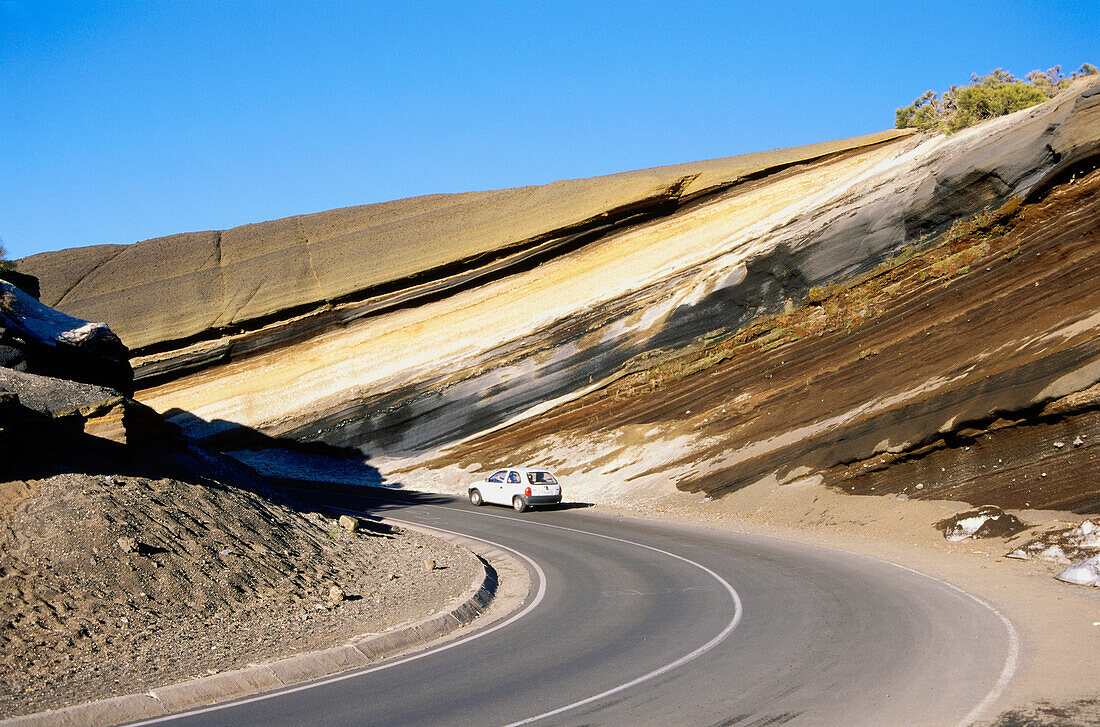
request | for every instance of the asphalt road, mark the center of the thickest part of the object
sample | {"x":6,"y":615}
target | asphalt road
{"x":638,"y":623}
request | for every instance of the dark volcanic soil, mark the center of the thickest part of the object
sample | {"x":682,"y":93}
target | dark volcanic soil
{"x":1052,"y":462}
{"x":936,"y":369}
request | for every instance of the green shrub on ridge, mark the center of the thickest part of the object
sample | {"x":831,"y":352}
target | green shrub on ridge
{"x":986,"y":97}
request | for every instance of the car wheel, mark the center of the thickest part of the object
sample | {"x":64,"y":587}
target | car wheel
{"x":475,"y":497}
{"x":519,"y":504}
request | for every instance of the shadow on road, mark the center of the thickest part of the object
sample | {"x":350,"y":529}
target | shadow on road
{"x":316,"y":494}
{"x":567,"y":506}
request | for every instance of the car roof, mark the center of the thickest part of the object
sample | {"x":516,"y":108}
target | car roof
{"x":524,"y":469}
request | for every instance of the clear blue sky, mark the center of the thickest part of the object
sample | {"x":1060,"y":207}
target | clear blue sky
{"x":125,"y":121}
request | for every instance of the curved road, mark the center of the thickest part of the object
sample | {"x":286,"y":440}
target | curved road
{"x":638,"y":623}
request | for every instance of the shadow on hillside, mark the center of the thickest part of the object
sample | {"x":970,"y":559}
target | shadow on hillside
{"x":36,"y":446}
{"x":335,"y":498}
{"x":227,"y":436}
{"x":306,"y":476}
{"x":317,"y":475}
{"x":310,"y":475}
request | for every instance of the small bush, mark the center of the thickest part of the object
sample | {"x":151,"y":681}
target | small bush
{"x":5,"y":264}
{"x":986,"y":97}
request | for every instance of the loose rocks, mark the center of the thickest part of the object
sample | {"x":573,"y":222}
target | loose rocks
{"x":988,"y":521}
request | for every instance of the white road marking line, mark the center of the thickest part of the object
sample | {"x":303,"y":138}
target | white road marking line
{"x":630,"y":592}
{"x":737,"y":612}
{"x":1008,"y":670}
{"x":540,"y":594}
{"x":1012,"y":659}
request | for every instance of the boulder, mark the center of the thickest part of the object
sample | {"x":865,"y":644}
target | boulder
{"x":988,"y":521}
{"x":44,"y":419}
{"x":335,"y":596}
{"x":1085,"y":573}
{"x":38,"y":339}
{"x":54,"y":398}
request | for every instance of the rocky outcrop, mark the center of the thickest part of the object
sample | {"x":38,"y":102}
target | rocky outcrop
{"x":988,"y":521}
{"x":63,"y":381}
{"x":44,"y":419}
{"x":58,"y":398}
{"x":38,"y":339}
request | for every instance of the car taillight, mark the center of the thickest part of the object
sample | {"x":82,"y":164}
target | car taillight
{"x":527,"y":491}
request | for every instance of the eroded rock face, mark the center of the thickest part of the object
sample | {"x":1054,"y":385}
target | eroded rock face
{"x":967,"y":372}
{"x":38,"y":339}
{"x":427,"y":375}
{"x":401,"y":374}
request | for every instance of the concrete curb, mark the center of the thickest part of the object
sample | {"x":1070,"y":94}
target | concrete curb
{"x":503,"y":588}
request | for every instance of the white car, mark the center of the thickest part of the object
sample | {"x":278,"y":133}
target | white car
{"x":520,"y":487}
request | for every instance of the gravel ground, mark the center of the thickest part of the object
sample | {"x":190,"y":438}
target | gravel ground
{"x":112,"y":585}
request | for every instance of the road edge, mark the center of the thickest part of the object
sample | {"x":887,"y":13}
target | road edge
{"x":503,"y":588}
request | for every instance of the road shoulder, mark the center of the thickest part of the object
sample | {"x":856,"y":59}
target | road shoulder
{"x":502,"y":589}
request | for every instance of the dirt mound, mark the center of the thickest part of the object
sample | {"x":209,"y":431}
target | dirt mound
{"x":113,"y":584}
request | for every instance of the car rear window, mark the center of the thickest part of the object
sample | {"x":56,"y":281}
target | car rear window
{"x":541,"y":478}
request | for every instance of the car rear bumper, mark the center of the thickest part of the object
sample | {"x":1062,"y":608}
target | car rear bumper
{"x":543,"y":499}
